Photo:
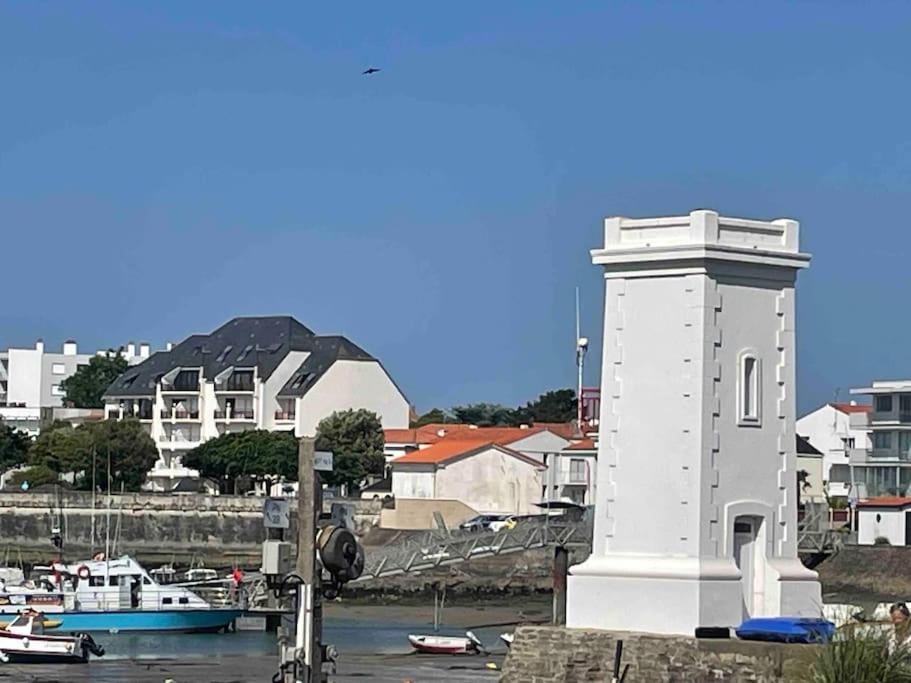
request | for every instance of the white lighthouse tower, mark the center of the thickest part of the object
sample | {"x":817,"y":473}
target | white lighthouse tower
{"x":696,"y":508}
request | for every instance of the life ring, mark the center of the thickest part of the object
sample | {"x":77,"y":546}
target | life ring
{"x":84,"y":573}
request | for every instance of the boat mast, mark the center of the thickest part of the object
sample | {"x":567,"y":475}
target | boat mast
{"x":92,"y":542}
{"x":107,"y":540}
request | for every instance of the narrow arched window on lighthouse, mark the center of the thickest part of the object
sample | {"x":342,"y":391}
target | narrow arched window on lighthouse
{"x":749,"y":389}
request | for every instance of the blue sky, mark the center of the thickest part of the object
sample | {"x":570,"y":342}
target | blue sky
{"x":166,"y":166}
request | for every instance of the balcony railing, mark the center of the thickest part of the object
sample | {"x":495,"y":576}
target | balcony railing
{"x":284,"y":416}
{"x":180,"y":414}
{"x":234,"y":414}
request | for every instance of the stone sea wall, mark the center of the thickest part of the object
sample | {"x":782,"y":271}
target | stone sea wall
{"x":548,"y":654}
{"x":215,"y":530}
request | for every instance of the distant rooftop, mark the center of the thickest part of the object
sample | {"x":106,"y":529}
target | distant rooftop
{"x":885,"y":386}
{"x":243,"y":343}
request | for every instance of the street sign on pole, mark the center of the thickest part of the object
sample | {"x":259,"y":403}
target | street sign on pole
{"x":322,"y":461}
{"x":276,"y":513}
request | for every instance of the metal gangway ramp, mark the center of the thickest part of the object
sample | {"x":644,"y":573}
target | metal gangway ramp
{"x":434,"y":548}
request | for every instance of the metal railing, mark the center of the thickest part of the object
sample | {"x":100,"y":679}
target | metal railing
{"x":443,"y":548}
{"x":426,"y":550}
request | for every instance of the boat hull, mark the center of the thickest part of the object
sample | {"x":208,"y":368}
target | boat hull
{"x":34,"y":648}
{"x":437,"y":645}
{"x":176,"y":621}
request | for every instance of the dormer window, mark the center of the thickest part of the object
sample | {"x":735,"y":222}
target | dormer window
{"x":749,"y":389}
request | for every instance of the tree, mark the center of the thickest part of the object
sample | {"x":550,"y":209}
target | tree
{"x":14,"y":447}
{"x":86,"y":387}
{"x":435,"y":416}
{"x":355,"y":438}
{"x":65,"y":449}
{"x":252,"y":453}
{"x":554,"y":406}
{"x":491,"y":415}
{"x":803,"y":483}
{"x":35,"y":476}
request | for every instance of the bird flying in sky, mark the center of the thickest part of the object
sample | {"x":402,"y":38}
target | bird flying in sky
{"x":369,"y":71}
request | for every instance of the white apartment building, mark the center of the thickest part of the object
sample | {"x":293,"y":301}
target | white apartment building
{"x":882,"y":468}
{"x":251,"y":373}
{"x":30,"y":381}
{"x":572,"y":474}
{"x":839,"y":432}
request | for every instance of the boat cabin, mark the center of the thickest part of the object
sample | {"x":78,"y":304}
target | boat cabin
{"x":122,"y":584}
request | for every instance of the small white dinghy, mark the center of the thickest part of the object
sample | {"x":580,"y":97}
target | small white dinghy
{"x":24,"y":641}
{"x":447,"y":645}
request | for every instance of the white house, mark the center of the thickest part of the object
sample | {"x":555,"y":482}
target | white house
{"x":839,"y":432}
{"x":572,"y":473}
{"x":534,"y":440}
{"x":31,"y":382}
{"x":886,"y":517}
{"x":695,"y":515}
{"x":251,"y":373}
{"x":461,"y":478}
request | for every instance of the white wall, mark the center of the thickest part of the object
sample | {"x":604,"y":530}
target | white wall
{"x":891,"y":524}
{"x":24,"y":377}
{"x":413,"y":481}
{"x":349,"y":384}
{"x":537,"y":444}
{"x":491,"y":482}
{"x":813,"y":466}
{"x":279,"y":377}
{"x":826,"y":428}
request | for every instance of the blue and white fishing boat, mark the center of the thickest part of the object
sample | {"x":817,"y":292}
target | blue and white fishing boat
{"x":117,"y":595}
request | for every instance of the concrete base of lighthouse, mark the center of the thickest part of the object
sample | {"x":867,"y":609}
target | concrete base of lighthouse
{"x":677,"y":595}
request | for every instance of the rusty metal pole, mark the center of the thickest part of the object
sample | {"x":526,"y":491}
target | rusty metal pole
{"x":309,"y":608}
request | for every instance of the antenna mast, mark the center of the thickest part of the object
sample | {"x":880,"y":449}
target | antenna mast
{"x":581,"y":348}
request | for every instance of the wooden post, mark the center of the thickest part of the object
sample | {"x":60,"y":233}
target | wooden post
{"x":561,"y":568}
{"x":309,"y":617}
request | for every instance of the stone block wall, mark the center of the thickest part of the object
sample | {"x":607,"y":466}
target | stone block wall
{"x":220,"y":531}
{"x":549,"y":654}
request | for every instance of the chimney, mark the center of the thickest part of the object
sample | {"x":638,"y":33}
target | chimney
{"x":169,"y":346}
{"x":69,"y":348}
{"x":131,"y":350}
{"x":144,"y":349}
{"x":39,"y":346}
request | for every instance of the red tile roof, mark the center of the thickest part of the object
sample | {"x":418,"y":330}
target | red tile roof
{"x":885,"y":502}
{"x":565,"y":429}
{"x":450,"y":449}
{"x":400,"y":435}
{"x":852,"y":407}
{"x":433,"y":433}
{"x":581,"y":445}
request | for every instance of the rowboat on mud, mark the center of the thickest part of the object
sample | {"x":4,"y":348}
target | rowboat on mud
{"x":447,"y":645}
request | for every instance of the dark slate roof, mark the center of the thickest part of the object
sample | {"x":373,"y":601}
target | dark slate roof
{"x":240,"y":343}
{"x":804,"y":447}
{"x":324,"y":351}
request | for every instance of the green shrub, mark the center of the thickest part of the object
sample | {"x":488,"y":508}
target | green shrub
{"x":860,"y":655}
{"x":881,"y":540}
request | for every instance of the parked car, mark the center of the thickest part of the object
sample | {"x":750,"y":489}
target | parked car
{"x":489,"y":523}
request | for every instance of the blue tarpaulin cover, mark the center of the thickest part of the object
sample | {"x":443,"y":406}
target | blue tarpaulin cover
{"x":787,"y":630}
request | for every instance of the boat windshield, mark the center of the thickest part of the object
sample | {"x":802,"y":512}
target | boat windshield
{"x":20,"y":622}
